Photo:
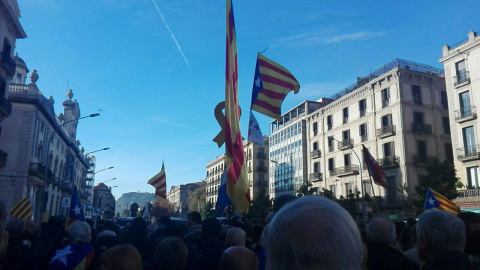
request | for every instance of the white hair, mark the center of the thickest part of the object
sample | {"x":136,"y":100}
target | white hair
{"x":381,"y":230}
{"x":235,"y":237}
{"x":444,"y":232}
{"x":313,"y":232}
{"x":80,"y":232}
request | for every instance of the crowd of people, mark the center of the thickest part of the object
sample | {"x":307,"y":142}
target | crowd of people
{"x":311,"y":232}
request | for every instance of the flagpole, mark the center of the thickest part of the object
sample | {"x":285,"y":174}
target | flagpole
{"x":374,"y":197}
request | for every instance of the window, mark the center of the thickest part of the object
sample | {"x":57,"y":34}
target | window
{"x":345,"y":115}
{"x":385,"y":97}
{"x":446,"y":125}
{"x":392,"y":190}
{"x":333,"y":189}
{"x":348,"y":188}
{"x":386,"y":120}
{"x":330,"y":144}
{"x":388,"y":149}
{"x":315,"y":129}
{"x":316,"y":167}
{"x":346,"y":160}
{"x":472,"y":177}
{"x":444,"y":99}
{"x":461,"y":72}
{"x":422,"y":149}
{"x":346,"y":135}
{"x":469,"y":141}
{"x":417,"y":94}
{"x":465,"y":108}
{"x":363,"y":132}
{"x":331,"y":164}
{"x":449,"y":152}
{"x":417,"y":122}
{"x":362,"y":105}
{"x":315,"y":146}
{"x":329,"y":122}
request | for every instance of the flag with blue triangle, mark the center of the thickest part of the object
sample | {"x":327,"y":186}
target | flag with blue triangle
{"x":222,"y":199}
{"x":254,"y":132}
{"x":76,"y":211}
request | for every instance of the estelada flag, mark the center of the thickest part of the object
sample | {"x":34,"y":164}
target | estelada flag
{"x":237,"y":181}
{"x":159,"y":182}
{"x":76,"y":210}
{"x":438,"y":201}
{"x":271,"y":84}
{"x":22,"y":210}
{"x":374,"y":169}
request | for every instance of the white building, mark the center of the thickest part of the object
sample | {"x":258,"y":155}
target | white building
{"x":462,"y":75}
{"x":399,"y":112}
{"x":10,"y":31}
{"x":178,"y":196}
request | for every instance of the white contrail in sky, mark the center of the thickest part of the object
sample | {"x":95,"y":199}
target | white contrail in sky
{"x":173,"y":37}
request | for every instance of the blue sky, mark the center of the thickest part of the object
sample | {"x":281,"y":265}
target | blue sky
{"x":121,"y":61}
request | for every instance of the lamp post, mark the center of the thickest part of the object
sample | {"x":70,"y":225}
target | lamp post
{"x":102,"y":170}
{"x":43,"y":203}
{"x":103,"y":149}
{"x":108,"y":180}
{"x":361,"y":180}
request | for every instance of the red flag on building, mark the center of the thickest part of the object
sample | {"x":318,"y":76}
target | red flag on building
{"x":374,"y":169}
{"x":237,"y":181}
{"x":159,"y":182}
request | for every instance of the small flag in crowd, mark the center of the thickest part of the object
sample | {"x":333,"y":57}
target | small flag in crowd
{"x":76,"y":211}
{"x":254,"y":132}
{"x":222,"y":200}
{"x":22,"y":210}
{"x":374,"y":169}
{"x":73,"y":256}
{"x":438,"y":201}
{"x":271,"y":84}
{"x":159,"y":182}
{"x":237,"y":181}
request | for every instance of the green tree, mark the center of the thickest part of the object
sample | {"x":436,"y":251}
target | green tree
{"x":260,"y":206}
{"x":134,"y":209}
{"x":196,"y":199}
{"x":306,"y":189}
{"x":441,"y":177}
{"x":126,"y":213}
{"x":208,"y":211}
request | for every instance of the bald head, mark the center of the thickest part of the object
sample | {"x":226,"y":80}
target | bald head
{"x":381,"y":231}
{"x":238,"y":258}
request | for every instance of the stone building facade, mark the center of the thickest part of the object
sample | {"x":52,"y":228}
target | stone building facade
{"x":399,"y":112}
{"x":34,"y":136}
{"x":178,"y":195}
{"x":10,"y":31}
{"x":104,"y":201}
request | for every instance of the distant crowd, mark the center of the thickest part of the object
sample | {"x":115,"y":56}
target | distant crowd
{"x":311,"y":232}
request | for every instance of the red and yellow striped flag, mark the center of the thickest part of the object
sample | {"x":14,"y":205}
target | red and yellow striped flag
{"x":23,"y":209}
{"x":437,"y":200}
{"x":159,"y":182}
{"x":237,"y":182}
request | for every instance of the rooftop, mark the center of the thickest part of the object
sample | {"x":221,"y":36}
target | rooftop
{"x":461,"y":42}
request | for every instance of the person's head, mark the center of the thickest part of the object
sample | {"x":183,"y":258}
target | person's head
{"x":171,"y":254}
{"x":194,"y":218}
{"x":238,"y":258}
{"x":235,"y":237}
{"x":29,"y":226}
{"x":57,"y":223}
{"x":123,"y":257}
{"x":282,"y":200}
{"x":80,"y":232}
{"x":313,"y":232}
{"x":439,"y":232}
{"x":211,"y":229}
{"x":15,"y":226}
{"x":180,"y":230}
{"x":381,"y":231}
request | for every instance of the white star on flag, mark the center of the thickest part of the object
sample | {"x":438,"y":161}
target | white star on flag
{"x":431,"y":201}
{"x":77,"y":210}
{"x":258,"y":81}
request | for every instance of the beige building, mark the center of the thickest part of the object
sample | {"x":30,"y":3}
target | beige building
{"x":10,"y":31}
{"x":34,"y":136}
{"x":462,"y":76}
{"x":399,"y":112}
{"x":257,"y":170}
{"x":104,"y":201}
{"x":178,"y":195}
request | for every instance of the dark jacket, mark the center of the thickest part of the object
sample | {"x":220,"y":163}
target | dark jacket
{"x":453,"y":261}
{"x":381,"y":256}
{"x":207,"y":256}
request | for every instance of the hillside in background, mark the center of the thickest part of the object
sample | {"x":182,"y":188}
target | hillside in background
{"x":127,"y":199}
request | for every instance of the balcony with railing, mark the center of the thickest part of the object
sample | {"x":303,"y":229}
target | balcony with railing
{"x":466,"y":114}
{"x":330,"y":148}
{"x":462,"y":78}
{"x":420,"y":128}
{"x":344,"y":171}
{"x":261,"y":155}
{"x":316,"y":153}
{"x":386,"y":131}
{"x":420,"y":160}
{"x":385,"y":102}
{"x":8,"y":63}
{"x":345,"y":144}
{"x":363,"y":112}
{"x":364,"y":137}
{"x":468,"y":193}
{"x":38,"y":169}
{"x":3,"y":159}
{"x":389,"y":162}
{"x":315,"y":177}
{"x":468,"y":153}
{"x":5,"y":106}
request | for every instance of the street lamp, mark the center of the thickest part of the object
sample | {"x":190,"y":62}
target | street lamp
{"x":361,"y":180}
{"x":108,"y":180}
{"x":103,"y":149}
{"x":101,"y":171}
{"x":42,"y":198}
